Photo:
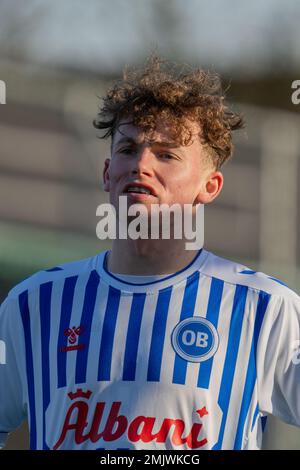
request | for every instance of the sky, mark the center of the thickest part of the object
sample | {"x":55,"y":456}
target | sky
{"x":249,"y":37}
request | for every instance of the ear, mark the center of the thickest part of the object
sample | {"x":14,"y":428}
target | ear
{"x":106,"y":181}
{"x":212,"y":187}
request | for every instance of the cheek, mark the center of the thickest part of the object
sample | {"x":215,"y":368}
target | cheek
{"x":116,"y":171}
{"x":184,"y":180}
{"x":185,"y":187}
{"x":179,"y":192}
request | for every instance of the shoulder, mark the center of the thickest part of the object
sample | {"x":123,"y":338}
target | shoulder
{"x":57,"y":273}
{"x":238,"y":274}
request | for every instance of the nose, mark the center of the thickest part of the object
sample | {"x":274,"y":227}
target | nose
{"x":144,"y":161}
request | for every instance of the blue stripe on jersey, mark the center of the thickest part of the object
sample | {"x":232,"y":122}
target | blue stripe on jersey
{"x":255,"y":417}
{"x":133,"y":335}
{"x":187,"y":310}
{"x":57,"y":268}
{"x":277,"y":280}
{"x":158,"y":334}
{"x":231,"y":356}
{"x":249,"y":271}
{"x":262,"y":305}
{"x":45,"y":310}
{"x":66,"y":310}
{"x":108,"y":333}
{"x":213,"y":311}
{"x":86,"y":322}
{"x":263,"y":422}
{"x":24,"y":310}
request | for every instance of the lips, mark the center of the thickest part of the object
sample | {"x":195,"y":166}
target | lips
{"x":144,"y":188}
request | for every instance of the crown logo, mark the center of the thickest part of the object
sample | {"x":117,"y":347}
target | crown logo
{"x":79,"y":394}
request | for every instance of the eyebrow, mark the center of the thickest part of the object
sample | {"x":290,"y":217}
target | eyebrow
{"x":131,"y":140}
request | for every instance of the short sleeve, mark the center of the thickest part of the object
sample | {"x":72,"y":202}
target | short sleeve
{"x":12,"y":410}
{"x":278,"y":359}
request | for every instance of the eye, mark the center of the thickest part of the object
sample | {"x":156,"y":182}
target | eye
{"x":166,"y":156}
{"x":126,"y":150}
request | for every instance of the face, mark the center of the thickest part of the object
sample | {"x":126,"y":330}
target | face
{"x":159,"y":171}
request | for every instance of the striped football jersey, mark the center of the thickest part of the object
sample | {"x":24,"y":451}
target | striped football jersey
{"x":194,"y":360}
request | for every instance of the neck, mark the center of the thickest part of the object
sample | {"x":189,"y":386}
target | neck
{"x":149,"y":257}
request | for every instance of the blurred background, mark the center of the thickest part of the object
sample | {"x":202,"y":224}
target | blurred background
{"x":58,"y":56}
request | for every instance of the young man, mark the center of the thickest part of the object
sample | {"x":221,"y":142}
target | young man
{"x":150,"y":345}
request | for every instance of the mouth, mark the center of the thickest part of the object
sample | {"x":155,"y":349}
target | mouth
{"x":139,"y":190}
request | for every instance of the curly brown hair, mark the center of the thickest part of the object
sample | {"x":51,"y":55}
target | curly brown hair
{"x":161,"y":90}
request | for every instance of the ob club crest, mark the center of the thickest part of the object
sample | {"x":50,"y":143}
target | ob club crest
{"x":195,"y":339}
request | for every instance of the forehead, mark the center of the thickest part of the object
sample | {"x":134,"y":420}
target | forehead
{"x":162,"y":134}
